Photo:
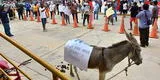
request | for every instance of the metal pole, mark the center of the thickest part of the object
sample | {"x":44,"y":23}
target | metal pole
{"x":15,"y":66}
{"x":5,"y":75}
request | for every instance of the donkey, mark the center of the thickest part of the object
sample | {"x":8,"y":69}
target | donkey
{"x":104,"y":59}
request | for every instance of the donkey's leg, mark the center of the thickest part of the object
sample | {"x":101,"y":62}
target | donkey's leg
{"x":75,"y":69}
{"x":102,"y":75}
{"x":71,"y":71}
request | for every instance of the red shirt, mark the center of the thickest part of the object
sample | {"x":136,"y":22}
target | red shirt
{"x":90,"y":4}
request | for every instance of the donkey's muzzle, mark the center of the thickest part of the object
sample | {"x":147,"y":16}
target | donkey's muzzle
{"x":139,"y":62}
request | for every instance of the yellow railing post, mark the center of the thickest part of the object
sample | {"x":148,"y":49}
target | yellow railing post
{"x":9,"y":78}
{"x":15,"y":66}
{"x":36,"y":58}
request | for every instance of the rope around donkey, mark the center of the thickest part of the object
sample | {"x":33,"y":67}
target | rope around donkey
{"x":125,"y":69}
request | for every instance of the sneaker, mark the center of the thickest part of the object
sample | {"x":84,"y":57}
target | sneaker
{"x":11,"y":35}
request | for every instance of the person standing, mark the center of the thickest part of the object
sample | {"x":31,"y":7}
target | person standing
{"x":28,"y":7}
{"x":134,"y":11}
{"x":61,"y":9}
{"x":151,"y":6}
{"x":20,"y":11}
{"x":67,"y":13}
{"x":5,"y":21}
{"x":86,"y":13}
{"x":154,"y":12}
{"x":35,"y":10}
{"x":43,"y":16}
{"x":125,"y":8}
{"x":52,"y":9}
{"x":100,"y":5}
{"x":57,"y":8}
{"x":144,"y":16}
{"x":73,"y":9}
{"x":96,"y":10}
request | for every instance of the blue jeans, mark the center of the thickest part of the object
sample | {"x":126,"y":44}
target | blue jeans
{"x":43,"y":21}
{"x":96,"y":15}
{"x":7,"y":29}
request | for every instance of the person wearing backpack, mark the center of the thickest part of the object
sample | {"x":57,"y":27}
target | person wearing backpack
{"x":144,"y":23}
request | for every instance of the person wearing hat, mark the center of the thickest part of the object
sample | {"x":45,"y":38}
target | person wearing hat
{"x":5,"y":20}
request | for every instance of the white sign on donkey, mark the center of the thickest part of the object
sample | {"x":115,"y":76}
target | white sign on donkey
{"x":77,"y":52}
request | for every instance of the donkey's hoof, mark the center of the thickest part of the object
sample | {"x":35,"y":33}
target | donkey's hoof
{"x":72,"y":74}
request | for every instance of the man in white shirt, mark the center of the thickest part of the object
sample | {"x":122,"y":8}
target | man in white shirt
{"x":61,"y":9}
{"x":52,"y":8}
{"x":43,"y":16}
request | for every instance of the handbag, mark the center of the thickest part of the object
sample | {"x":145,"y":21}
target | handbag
{"x":149,"y":22}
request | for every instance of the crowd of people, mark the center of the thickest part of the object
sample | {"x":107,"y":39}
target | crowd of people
{"x":66,"y":8}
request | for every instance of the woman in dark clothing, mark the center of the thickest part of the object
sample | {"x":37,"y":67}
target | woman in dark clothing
{"x":5,"y":21}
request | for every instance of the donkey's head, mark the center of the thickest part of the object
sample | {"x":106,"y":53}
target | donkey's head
{"x":135,"y":54}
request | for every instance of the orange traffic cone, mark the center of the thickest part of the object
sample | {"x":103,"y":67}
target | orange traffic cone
{"x":136,"y":30}
{"x":25,"y":17}
{"x":90,"y":23}
{"x":63,"y":21}
{"x":38,"y":17}
{"x":75,"y":25}
{"x":31,"y":17}
{"x":154,"y":31}
{"x":53,"y":19}
{"x":106,"y":25}
{"x":121,"y":31}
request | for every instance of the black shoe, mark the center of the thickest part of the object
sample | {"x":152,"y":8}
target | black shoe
{"x":142,"y":45}
{"x":147,"y":44}
{"x":11,"y":35}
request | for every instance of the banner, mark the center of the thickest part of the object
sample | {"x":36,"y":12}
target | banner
{"x":109,"y":12}
{"x":77,"y":52}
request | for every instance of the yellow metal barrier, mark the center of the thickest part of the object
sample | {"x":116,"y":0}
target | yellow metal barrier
{"x":9,"y":78}
{"x":56,"y":74}
{"x":15,"y":66}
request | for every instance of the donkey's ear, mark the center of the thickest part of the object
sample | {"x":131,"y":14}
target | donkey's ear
{"x":133,"y":39}
{"x":127,"y":35}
